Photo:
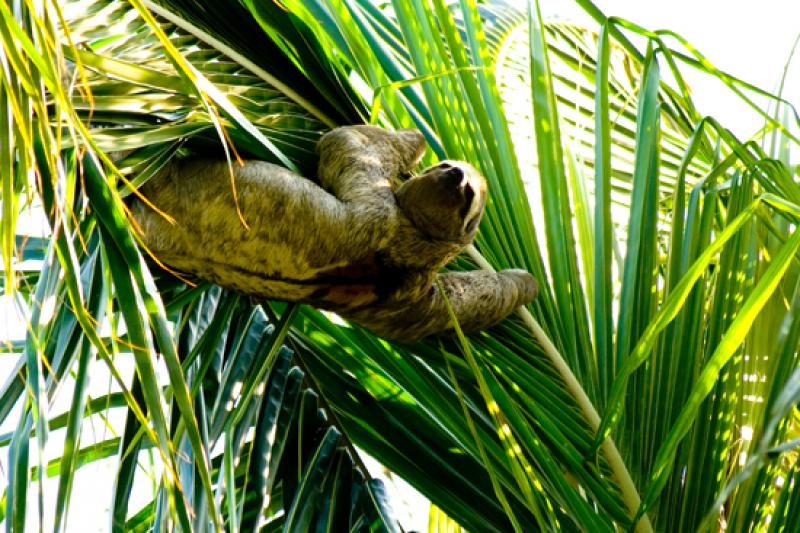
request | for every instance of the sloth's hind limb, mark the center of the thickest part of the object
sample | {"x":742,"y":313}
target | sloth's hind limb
{"x":479,"y":299}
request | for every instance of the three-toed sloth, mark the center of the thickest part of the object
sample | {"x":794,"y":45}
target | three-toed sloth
{"x":357,"y":245}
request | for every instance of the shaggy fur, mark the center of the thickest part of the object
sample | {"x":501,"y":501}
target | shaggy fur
{"x":356,"y":246}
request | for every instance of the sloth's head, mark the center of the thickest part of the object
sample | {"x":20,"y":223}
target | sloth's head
{"x":445,"y":201}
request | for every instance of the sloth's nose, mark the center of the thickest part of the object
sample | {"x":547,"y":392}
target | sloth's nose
{"x":453,"y":177}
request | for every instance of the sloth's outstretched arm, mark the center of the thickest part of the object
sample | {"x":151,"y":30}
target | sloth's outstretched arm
{"x":358,"y":163}
{"x":480,"y":299}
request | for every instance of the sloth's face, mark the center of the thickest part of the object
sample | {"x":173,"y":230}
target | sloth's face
{"x":445,"y":201}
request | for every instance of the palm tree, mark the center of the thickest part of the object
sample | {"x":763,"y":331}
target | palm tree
{"x":651,"y":386}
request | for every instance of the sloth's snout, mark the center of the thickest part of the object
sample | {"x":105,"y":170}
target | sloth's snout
{"x":453,"y":177}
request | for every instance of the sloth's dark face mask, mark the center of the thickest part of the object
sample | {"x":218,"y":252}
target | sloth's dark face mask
{"x":445,"y":201}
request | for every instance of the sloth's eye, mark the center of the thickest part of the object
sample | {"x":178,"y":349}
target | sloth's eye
{"x":469,"y":194}
{"x":444,"y":165}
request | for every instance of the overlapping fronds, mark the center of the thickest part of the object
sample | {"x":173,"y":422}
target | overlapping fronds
{"x":651,"y":385}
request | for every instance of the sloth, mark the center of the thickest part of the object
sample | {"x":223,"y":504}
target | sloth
{"x":357,"y":245}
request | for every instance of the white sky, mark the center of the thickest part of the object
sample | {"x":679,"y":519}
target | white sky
{"x":747,"y":39}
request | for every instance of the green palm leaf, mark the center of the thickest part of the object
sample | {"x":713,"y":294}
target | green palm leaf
{"x":664,"y":279}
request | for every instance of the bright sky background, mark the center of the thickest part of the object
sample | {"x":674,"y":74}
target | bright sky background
{"x":747,"y":39}
{"x":750,"y":40}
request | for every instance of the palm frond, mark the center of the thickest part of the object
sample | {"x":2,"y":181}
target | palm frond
{"x":668,"y":280}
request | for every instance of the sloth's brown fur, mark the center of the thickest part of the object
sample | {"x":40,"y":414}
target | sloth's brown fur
{"x":356,"y":245}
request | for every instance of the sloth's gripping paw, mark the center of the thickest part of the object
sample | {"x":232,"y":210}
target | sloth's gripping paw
{"x":411,"y":148}
{"x":526,"y":284}
{"x":398,"y":151}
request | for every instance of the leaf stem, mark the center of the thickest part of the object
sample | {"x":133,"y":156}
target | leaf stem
{"x":619,"y":471}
